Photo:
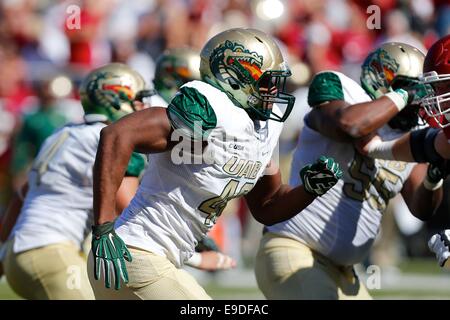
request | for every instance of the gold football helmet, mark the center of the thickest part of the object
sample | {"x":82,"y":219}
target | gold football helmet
{"x":174,"y":68}
{"x":108,"y":92}
{"x":393,"y":65}
{"x":248,"y":66}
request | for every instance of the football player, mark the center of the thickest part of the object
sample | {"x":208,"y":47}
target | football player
{"x":430,"y":144}
{"x":175,"y":67}
{"x":233,"y":117}
{"x":311,"y":255}
{"x":43,"y":255}
{"x":107,"y":94}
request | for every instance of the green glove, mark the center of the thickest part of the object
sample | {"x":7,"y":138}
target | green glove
{"x":206,"y":244}
{"x":416,"y":93}
{"x":110,"y":253}
{"x":320,"y":176}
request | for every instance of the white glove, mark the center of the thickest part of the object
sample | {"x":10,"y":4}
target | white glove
{"x":439,"y":244}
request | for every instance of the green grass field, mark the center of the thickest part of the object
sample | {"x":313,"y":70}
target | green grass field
{"x":416,"y":279}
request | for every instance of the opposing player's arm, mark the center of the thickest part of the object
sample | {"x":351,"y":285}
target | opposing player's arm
{"x":337,"y":119}
{"x":422,"y":197}
{"x":12,"y":212}
{"x":424,"y":145}
{"x":146,"y":131}
{"x":442,"y":145}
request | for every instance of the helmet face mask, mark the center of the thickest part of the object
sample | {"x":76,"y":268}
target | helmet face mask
{"x":248,"y":66}
{"x":271,"y":88}
{"x":436,"y":78}
{"x":108,"y":93}
{"x":437,"y":103}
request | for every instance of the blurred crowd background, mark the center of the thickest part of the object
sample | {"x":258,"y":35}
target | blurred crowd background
{"x":46,"y":47}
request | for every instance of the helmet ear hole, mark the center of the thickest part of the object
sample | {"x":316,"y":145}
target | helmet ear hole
{"x":233,"y":84}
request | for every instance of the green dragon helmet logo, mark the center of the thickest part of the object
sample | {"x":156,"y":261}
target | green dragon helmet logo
{"x":231,"y":62}
{"x":378,"y":72}
{"x":106,"y":89}
{"x":381,"y":64}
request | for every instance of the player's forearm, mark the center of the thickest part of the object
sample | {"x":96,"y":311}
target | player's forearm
{"x":344,"y":123}
{"x":361,"y":119}
{"x":146,"y":131}
{"x":424,"y":203}
{"x":398,"y":149}
{"x":113,"y":154}
{"x":12,"y":213}
{"x":442,"y":145}
{"x":427,"y":145}
{"x":285,"y":204}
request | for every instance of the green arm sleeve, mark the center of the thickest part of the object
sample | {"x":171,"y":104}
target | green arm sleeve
{"x":136,"y":165}
{"x":191,"y":112}
{"x":325,"y":86}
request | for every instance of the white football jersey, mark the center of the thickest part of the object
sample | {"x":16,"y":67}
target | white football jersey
{"x":343,"y":223}
{"x":58,"y":205}
{"x":179,"y":200}
{"x":157,"y":101}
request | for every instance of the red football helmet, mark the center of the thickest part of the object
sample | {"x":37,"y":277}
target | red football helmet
{"x":436,"y":77}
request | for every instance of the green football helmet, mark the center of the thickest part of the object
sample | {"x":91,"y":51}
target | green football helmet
{"x":248,"y":66}
{"x":391,"y":66}
{"x":108,"y":92}
{"x":175,"y":67}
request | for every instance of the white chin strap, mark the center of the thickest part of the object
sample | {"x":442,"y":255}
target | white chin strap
{"x":90,"y":118}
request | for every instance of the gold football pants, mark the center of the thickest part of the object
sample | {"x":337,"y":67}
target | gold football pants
{"x":151,"y":277}
{"x":54,"y":272}
{"x":287,"y":269}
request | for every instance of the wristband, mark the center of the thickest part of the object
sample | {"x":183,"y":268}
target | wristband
{"x":381,"y":150}
{"x":432,"y":186}
{"x":399,"y":97}
{"x":195,"y":260}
